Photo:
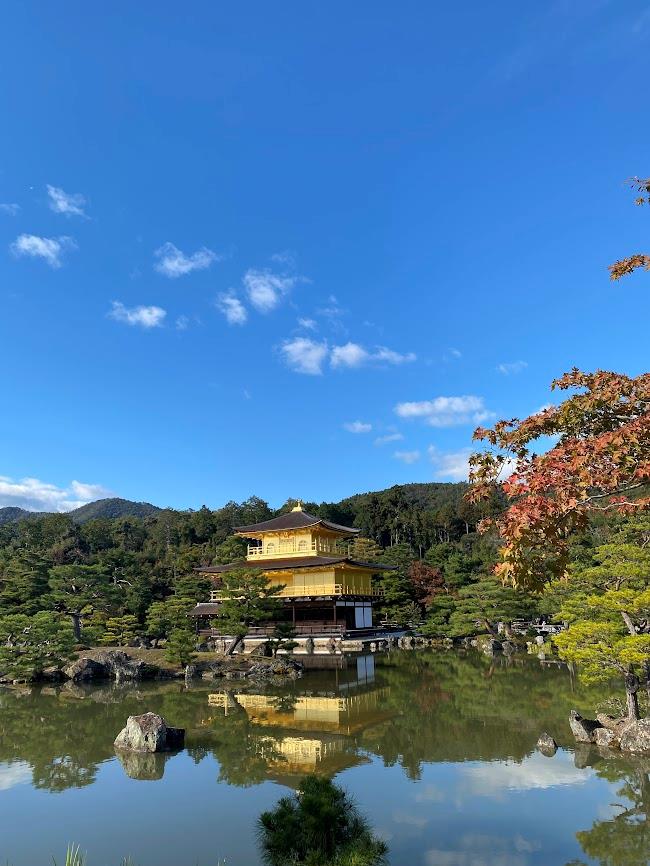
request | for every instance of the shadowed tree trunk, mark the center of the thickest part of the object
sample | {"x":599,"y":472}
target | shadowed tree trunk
{"x":632,"y":685}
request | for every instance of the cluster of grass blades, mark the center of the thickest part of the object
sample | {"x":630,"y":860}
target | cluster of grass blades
{"x":75,"y":857}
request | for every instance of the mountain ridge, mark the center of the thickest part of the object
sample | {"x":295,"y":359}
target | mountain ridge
{"x":418,"y":494}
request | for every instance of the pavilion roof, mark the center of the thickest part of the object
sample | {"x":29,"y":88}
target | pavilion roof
{"x":290,"y":562}
{"x":296,"y":519}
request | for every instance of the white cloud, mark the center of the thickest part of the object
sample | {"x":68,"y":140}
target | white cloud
{"x":68,"y":203}
{"x":304,"y":356}
{"x":145,"y":317}
{"x":349,"y":355}
{"x":357,"y":427}
{"x":307,"y":324}
{"x":232,"y":308}
{"x":477,"y":850}
{"x":14,"y":773}
{"x":173,"y":262}
{"x":266,"y":289}
{"x":352,"y":356}
{"x":182,"y":323}
{"x":389,"y":437}
{"x":453,"y":466}
{"x":535,"y":771}
{"x":10,"y":208}
{"x":49,"y":249}
{"x":455,"y":353}
{"x":388,"y":356}
{"x":512,"y":368}
{"x":407,"y":457}
{"x":35,"y":495}
{"x":446,"y":411}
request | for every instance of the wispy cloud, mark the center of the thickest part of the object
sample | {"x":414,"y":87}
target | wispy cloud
{"x":67,"y":203}
{"x":446,"y":411}
{"x":9,"y":208}
{"x":307,"y":324}
{"x":389,"y":437}
{"x":182,"y":323}
{"x":512,"y":367}
{"x":51,"y":250}
{"x":454,"y":465}
{"x":232,"y":308}
{"x":353,"y":355}
{"x":35,"y":495}
{"x":451,"y":466}
{"x":14,"y":773}
{"x":265,"y":289}
{"x":349,"y":356}
{"x":357,"y":427}
{"x":173,"y":263}
{"x":144,"y":317}
{"x":286,"y":258}
{"x":407,"y":457}
{"x":303,"y":355}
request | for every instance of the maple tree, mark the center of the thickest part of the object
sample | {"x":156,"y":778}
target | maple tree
{"x":599,"y":461}
{"x":626,"y":266}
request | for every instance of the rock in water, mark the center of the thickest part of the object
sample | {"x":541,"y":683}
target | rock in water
{"x":85,"y":670}
{"x":583,"y":729}
{"x":606,"y":737}
{"x":547,"y":745}
{"x":636,"y":737}
{"x":149,"y":733}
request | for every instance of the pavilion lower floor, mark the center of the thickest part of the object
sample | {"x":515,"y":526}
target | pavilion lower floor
{"x":318,"y":616}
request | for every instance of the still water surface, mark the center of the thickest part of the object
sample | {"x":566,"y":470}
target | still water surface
{"x":437,"y":749}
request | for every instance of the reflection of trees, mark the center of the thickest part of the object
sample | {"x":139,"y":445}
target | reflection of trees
{"x":624,"y":839}
{"x":455,"y":708}
{"x":431,"y":707}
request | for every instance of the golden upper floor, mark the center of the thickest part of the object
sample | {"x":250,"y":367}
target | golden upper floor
{"x":296,"y":534}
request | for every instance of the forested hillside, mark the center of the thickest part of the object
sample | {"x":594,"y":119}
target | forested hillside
{"x":114,"y":578}
{"x":113,"y":507}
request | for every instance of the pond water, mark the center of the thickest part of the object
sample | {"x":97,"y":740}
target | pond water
{"x":437,"y":749}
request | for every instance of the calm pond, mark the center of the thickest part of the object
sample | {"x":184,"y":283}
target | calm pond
{"x":437,"y":749}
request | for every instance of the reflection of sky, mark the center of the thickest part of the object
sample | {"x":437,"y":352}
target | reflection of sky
{"x":499,"y":813}
{"x":535,"y":771}
{"x":15,"y":773}
{"x":458,"y":814}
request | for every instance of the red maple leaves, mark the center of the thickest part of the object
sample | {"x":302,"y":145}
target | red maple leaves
{"x":599,"y":459}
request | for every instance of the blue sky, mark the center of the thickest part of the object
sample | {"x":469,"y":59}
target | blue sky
{"x":301,"y":249}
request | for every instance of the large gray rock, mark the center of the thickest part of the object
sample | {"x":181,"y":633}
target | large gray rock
{"x":606,"y":737}
{"x":109,"y":664}
{"x":583,"y":729}
{"x":149,"y":733}
{"x":85,"y":670}
{"x":636,"y":737}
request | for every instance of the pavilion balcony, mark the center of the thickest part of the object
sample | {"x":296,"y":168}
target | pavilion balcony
{"x":318,"y":590}
{"x":297,"y":548}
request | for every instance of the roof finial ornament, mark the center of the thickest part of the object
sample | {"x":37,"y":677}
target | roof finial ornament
{"x":298,"y":505}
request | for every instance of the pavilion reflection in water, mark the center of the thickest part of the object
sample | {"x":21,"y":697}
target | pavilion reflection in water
{"x":313,"y":732}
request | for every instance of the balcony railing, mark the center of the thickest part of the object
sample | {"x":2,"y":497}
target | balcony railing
{"x":298,"y":548}
{"x":311,"y":590}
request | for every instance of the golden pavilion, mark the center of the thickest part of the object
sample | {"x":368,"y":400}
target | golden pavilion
{"x":326,"y":591}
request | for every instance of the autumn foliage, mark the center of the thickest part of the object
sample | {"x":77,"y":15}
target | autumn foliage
{"x":626,"y":266}
{"x":599,"y":459}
